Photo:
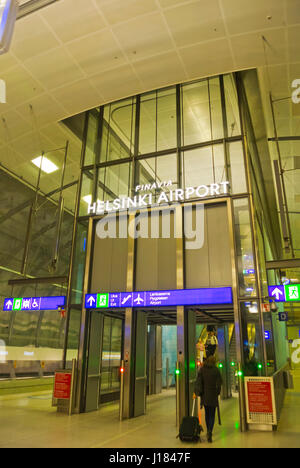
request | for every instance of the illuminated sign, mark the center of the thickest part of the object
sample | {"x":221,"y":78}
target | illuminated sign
{"x":285,"y":293}
{"x":148,"y":199}
{"x":34,"y":303}
{"x":8,"y":14}
{"x":169,"y":298}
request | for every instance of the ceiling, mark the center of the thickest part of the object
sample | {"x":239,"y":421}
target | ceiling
{"x":74,"y":55}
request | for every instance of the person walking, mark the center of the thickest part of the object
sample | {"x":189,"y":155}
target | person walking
{"x":208,"y":388}
{"x":211,"y":342}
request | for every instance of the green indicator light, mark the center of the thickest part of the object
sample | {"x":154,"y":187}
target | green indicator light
{"x":102,"y":301}
{"x":221,"y":365}
{"x":259,"y":366}
{"x":292,"y":292}
{"x":192,"y":365}
{"x":177,"y":371}
{"x":240,"y":374}
{"x":232,"y":364}
{"x":17,"y":304}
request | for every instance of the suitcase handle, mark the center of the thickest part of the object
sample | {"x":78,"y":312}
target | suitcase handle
{"x":194,"y":405}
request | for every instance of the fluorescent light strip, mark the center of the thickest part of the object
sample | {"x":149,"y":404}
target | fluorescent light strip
{"x":47,"y":165}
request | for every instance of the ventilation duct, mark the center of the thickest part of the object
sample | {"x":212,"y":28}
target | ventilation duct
{"x":26,"y":7}
{"x":8,"y":14}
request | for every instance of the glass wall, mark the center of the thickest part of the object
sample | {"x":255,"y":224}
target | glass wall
{"x":188,"y":135}
{"x":31,"y":343}
{"x":111,"y":358}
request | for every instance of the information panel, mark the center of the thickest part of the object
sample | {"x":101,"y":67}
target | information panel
{"x":169,"y":298}
{"x":260,"y":400}
{"x":34,"y":303}
{"x":62,"y":385}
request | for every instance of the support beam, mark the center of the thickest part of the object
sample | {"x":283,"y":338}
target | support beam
{"x":283,"y":264}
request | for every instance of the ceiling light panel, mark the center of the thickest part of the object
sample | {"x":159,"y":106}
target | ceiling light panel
{"x":47,"y":166}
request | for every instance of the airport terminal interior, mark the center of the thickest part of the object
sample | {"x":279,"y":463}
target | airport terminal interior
{"x":149,"y":223}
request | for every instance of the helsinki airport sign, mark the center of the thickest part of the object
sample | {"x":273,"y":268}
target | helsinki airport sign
{"x":168,"y":298}
{"x":164,"y":197}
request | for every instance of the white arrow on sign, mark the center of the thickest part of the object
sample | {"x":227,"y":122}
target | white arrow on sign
{"x":91,"y":300}
{"x":9,"y":304}
{"x":277,"y":293}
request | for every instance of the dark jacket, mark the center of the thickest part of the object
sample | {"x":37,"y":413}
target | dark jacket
{"x":208,"y":385}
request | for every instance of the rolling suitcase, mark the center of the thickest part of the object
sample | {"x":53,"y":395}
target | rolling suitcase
{"x":190,"y":428}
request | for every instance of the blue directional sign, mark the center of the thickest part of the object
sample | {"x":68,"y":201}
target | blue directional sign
{"x":169,"y":298}
{"x":90,"y":301}
{"x":34,"y":303}
{"x":285,"y":293}
{"x":283,"y":317}
{"x":277,"y":292}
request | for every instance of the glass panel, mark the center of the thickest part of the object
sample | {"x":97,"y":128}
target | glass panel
{"x":204,"y":166}
{"x":105,"y":355}
{"x":232,"y":108}
{"x":166,"y":119}
{"x":290,"y":154}
{"x":118,"y":130}
{"x":24,"y":329}
{"x":251,"y":337}
{"x":148,"y":119}
{"x":50,"y":332}
{"x":86,"y":196}
{"x":262,"y":261}
{"x":115,"y":353}
{"x":111,"y":355}
{"x":201,"y":112}
{"x":91,"y":138}
{"x":237,"y":167}
{"x":216,"y":109}
{"x":73,"y":334}
{"x":114,"y":182}
{"x":244,"y":250}
{"x":79,"y":262}
{"x":195,"y":113}
{"x":269,"y":340}
{"x":157,"y":170}
{"x":158,"y":121}
{"x":169,"y":354}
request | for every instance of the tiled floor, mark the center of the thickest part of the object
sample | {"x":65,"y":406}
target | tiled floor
{"x":30,"y":421}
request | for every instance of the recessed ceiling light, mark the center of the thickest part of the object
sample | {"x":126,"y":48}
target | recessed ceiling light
{"x":47,"y":165}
